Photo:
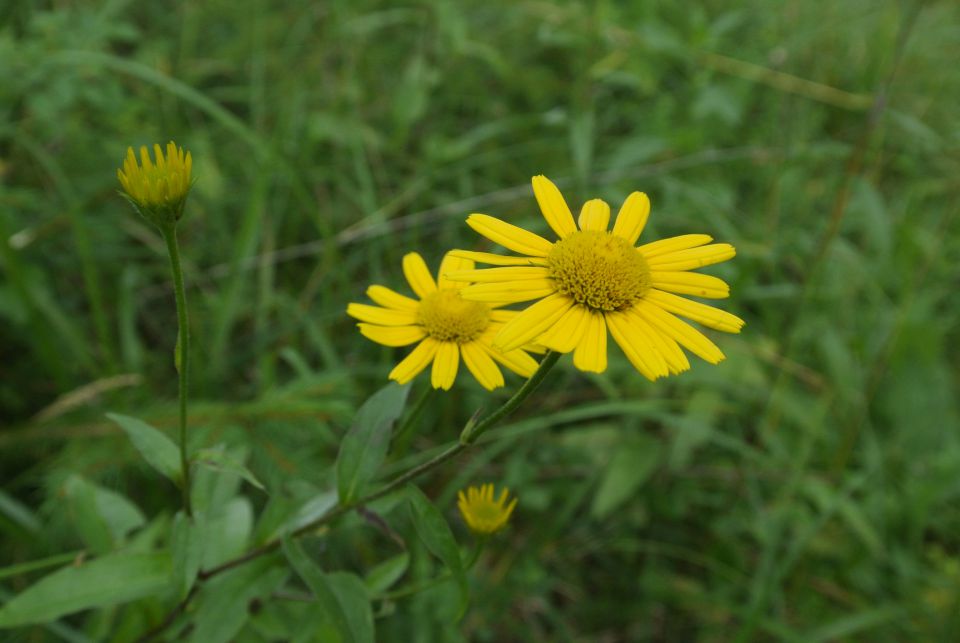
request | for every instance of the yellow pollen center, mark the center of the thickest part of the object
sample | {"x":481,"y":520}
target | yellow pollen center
{"x":447,"y":317}
{"x":599,"y":269}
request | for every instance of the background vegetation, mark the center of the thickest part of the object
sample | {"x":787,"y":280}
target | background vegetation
{"x":805,"y":490}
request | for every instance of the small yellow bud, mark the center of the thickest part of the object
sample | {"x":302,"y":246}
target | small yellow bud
{"x":157,"y":189}
{"x":481,"y":512}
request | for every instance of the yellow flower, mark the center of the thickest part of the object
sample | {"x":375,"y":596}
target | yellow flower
{"x":481,"y":512}
{"x":446,"y":326}
{"x":158,"y":189}
{"x":592,"y":280}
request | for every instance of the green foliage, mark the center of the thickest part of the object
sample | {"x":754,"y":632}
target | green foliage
{"x":803,"y":490}
{"x":343,"y":597}
{"x":365,"y":445}
{"x":156,"y":448}
{"x":112,"y":579}
{"x":435,"y":533}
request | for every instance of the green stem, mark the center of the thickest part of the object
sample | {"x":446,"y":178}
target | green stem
{"x":182,"y":360}
{"x":472,"y":431}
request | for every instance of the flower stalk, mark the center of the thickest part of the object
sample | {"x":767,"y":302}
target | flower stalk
{"x":181,"y":356}
{"x":157,"y":189}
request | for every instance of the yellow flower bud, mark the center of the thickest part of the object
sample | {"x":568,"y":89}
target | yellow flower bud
{"x":157,"y":189}
{"x":481,"y":512}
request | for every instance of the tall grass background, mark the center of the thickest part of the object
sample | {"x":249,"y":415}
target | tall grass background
{"x":807,"y":489}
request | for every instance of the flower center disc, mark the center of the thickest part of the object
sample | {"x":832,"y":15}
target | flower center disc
{"x":486,"y":513}
{"x":599,"y":269}
{"x":447,"y":317}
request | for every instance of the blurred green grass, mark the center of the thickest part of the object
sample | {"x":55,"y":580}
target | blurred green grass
{"x":804,"y":490}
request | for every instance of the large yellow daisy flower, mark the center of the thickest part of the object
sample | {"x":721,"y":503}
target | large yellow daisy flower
{"x":446,"y":326}
{"x":592,"y":280}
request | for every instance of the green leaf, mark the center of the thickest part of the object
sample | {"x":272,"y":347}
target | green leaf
{"x":156,"y":448}
{"x":435,"y":533}
{"x":91,"y":528}
{"x":109,"y":580}
{"x":631,"y":466}
{"x":226,"y":532}
{"x":383,"y":576}
{"x":343,"y":596}
{"x":219,"y":460}
{"x":366,"y":443}
{"x":311,"y":510}
{"x":214,"y":488}
{"x":103,"y":517}
{"x":354,"y":600}
{"x":223,"y":605}
{"x":186,"y":545}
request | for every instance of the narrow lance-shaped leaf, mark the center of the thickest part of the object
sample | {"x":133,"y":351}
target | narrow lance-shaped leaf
{"x":219,"y":460}
{"x":365,"y":445}
{"x":102,"y":516}
{"x":383,"y":576}
{"x":224,"y":606}
{"x":343,"y":596}
{"x":116,"y":578}
{"x":435,"y":533}
{"x":156,"y":448}
{"x":186,"y":545}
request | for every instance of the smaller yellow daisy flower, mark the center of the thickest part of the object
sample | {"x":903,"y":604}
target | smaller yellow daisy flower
{"x":481,"y":512}
{"x":446,"y":326}
{"x":157,"y":189}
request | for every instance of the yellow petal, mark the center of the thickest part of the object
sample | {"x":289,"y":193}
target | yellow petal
{"x":145,"y":158}
{"x":452,"y":263}
{"x":414,"y":363}
{"x":158,"y":154}
{"x":672,"y":244}
{"x":591,"y":353}
{"x":390,"y":299}
{"x":510,"y":273}
{"x":690,"y":283}
{"x":445,"y":365}
{"x":509,"y":511}
{"x":415,"y":270}
{"x":392,"y":335}
{"x":632,"y":217}
{"x":481,"y":365}
{"x":553,"y":206}
{"x":682,"y":332}
{"x":637,"y":346}
{"x":382,"y":316}
{"x":532,"y":322}
{"x":516,"y":360}
{"x":673,"y":355}
{"x":510,"y":236}
{"x":511,"y":292}
{"x":700,"y":313}
{"x":499,"y":260}
{"x":692,"y":258}
{"x":569,"y":330}
{"x":595,"y":215}
{"x":503,"y":316}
